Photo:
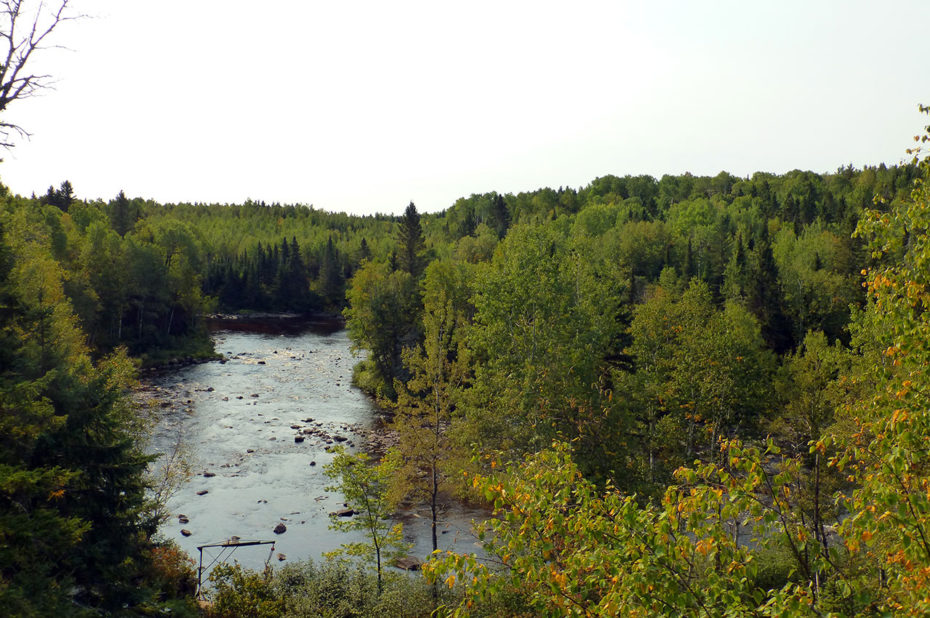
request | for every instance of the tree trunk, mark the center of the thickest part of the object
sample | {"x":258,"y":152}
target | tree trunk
{"x":170,"y":320}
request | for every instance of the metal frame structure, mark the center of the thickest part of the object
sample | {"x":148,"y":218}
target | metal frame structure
{"x":233,"y":543}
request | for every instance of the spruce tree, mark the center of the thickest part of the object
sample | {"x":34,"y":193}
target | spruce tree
{"x":500,"y":216}
{"x":410,"y":243}
{"x":122,"y":217}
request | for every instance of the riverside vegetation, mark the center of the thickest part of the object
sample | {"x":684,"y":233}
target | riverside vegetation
{"x":683,"y":396}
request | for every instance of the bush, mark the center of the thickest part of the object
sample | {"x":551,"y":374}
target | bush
{"x":242,"y":592}
{"x":172,"y":572}
{"x":334,"y":588}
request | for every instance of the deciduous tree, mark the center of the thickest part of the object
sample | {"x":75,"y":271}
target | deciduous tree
{"x":890,"y":522}
{"x":427,"y":454}
{"x":365,"y":488}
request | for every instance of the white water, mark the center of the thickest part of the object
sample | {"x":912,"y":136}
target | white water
{"x":296,"y":377}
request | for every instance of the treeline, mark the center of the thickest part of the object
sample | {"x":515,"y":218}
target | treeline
{"x":141,"y":274}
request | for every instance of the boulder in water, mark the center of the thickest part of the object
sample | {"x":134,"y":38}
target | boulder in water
{"x":408,"y":563}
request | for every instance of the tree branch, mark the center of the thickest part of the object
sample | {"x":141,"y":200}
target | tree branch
{"x":15,"y":82}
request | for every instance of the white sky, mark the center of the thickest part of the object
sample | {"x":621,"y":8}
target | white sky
{"x":363,"y":106}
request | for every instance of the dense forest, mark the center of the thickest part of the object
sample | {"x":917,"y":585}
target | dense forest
{"x":683,"y":396}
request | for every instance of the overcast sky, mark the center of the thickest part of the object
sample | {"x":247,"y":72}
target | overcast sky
{"x":365,"y":106}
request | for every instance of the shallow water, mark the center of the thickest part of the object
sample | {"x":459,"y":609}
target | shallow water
{"x":279,"y":381}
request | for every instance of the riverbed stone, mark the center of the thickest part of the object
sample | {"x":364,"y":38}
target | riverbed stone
{"x":280,"y":529}
{"x":185,"y":532}
{"x":408,"y":563}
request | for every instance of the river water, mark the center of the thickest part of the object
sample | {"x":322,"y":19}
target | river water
{"x":236,"y":424}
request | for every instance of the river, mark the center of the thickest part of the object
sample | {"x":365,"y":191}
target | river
{"x":236,"y":422}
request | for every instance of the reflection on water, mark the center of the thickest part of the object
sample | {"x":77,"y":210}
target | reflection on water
{"x":256,"y":428}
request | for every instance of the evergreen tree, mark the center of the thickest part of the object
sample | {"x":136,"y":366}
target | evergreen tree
{"x":410,"y":243}
{"x":123,"y":216}
{"x":331,"y":275}
{"x":61,"y":197}
{"x":764,"y":297}
{"x":500,"y":216}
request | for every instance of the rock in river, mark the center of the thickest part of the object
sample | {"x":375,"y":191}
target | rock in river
{"x":408,"y":563}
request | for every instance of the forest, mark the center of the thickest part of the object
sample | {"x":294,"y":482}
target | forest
{"x":676,"y":396}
